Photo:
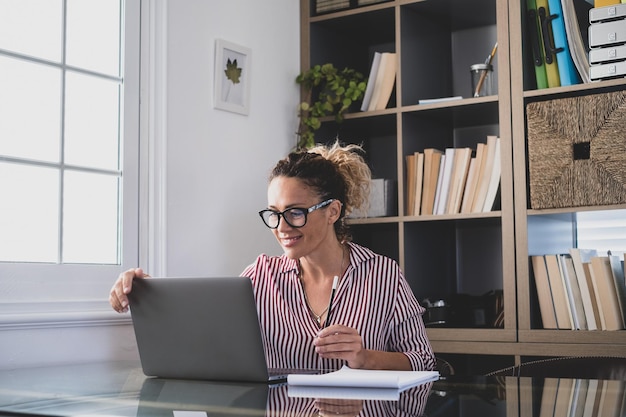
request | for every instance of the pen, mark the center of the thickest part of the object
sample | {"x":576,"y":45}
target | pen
{"x":330,"y":302}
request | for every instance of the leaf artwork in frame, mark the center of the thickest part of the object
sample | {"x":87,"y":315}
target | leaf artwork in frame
{"x":232,"y":77}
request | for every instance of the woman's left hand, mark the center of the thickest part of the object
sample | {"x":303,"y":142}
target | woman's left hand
{"x":341,"y":342}
{"x":339,"y":408}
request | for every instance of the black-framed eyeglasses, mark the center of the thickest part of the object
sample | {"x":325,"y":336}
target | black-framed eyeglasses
{"x":295,"y":216}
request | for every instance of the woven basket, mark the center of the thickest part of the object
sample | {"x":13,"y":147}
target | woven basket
{"x":577,"y":151}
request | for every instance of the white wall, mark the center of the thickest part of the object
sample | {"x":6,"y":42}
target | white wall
{"x":215,"y":164}
{"x":217,"y":161}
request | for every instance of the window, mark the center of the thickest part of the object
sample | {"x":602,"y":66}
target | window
{"x":602,"y":230}
{"x":69,"y":137}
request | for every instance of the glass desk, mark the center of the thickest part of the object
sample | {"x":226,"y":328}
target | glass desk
{"x":121,"y":389}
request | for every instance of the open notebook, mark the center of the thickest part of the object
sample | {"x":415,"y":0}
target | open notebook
{"x":200,"y":328}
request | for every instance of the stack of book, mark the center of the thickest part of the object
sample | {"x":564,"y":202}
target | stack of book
{"x":380,"y":82}
{"x":607,"y":39}
{"x":580,"y":290}
{"x":454,"y":180}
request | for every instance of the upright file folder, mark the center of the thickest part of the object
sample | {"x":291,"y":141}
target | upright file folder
{"x":567,"y":71}
{"x":552,"y":69}
{"x":533,"y":32}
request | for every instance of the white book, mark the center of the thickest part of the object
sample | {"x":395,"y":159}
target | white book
{"x":438,"y":100}
{"x":580,"y":257}
{"x":442,"y":204}
{"x":364,"y":378}
{"x":371,"y":81}
{"x":344,"y":393}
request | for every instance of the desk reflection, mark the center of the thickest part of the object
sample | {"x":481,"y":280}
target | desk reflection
{"x":121,"y":389}
{"x":161,"y":397}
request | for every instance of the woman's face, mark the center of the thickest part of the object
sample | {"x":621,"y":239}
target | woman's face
{"x":284,"y":193}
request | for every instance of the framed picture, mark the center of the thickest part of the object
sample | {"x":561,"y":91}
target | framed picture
{"x":232,"y":77}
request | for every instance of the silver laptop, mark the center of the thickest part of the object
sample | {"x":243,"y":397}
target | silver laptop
{"x":199,"y":328}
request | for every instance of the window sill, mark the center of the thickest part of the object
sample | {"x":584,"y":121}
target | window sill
{"x":46,"y":315}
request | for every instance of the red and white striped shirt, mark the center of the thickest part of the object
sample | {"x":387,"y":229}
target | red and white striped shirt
{"x":373,"y":297}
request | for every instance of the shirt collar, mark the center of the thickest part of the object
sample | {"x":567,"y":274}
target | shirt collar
{"x":358,"y":255}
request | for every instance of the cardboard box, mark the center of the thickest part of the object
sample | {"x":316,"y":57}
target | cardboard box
{"x":382,"y":200}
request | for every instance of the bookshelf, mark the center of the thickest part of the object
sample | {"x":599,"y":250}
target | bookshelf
{"x":436,"y":43}
{"x":442,"y":255}
{"x":546,"y":230}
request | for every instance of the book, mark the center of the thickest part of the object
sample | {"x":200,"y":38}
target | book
{"x":440,"y":174}
{"x":533,"y":37}
{"x":458,"y":179}
{"x":410,"y":161}
{"x":563,"y":399}
{"x":552,"y":69}
{"x":618,"y":280}
{"x":432,"y":159}
{"x":568,"y":273}
{"x":580,"y":257}
{"x":385,"y":80}
{"x":576,"y":19}
{"x":548,"y":397}
{"x":470,"y":185}
{"x":419,"y":181}
{"x":544,"y":294}
{"x":568,"y":75}
{"x":371,"y":81}
{"x":606,"y":295}
{"x":602,"y":3}
{"x":559,"y":298}
{"x":445,"y":180}
{"x":611,"y":401}
{"x":438,"y":100}
{"x":343,"y":393}
{"x":494,"y":179}
{"x":579,"y":396}
{"x":472,"y":179}
{"x":592,"y":293}
{"x":377,"y":81}
{"x":484,"y":177}
{"x":591,"y":400}
{"x":364,"y":378}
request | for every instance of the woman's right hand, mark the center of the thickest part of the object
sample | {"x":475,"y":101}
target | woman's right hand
{"x":122,"y":287}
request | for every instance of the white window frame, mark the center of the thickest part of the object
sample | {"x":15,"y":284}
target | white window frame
{"x":51,"y":295}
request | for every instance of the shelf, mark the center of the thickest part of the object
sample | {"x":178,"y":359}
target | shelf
{"x":579,"y":337}
{"x":604,"y":86}
{"x":546,"y":230}
{"x":436,"y":42}
{"x":444,"y":255}
{"x":544,"y":212}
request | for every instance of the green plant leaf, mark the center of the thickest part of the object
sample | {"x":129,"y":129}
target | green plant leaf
{"x":232,"y":71}
{"x":329,"y":92}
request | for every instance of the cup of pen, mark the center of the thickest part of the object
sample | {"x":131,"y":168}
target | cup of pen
{"x":482,"y":80}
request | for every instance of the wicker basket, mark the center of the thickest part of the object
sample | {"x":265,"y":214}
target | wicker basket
{"x":577,"y":151}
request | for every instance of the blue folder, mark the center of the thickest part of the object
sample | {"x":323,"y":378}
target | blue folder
{"x":567,"y":70}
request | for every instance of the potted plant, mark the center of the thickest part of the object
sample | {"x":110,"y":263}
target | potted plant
{"x":326,"y":91}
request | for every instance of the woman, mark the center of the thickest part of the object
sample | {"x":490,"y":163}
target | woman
{"x":373,"y":321}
